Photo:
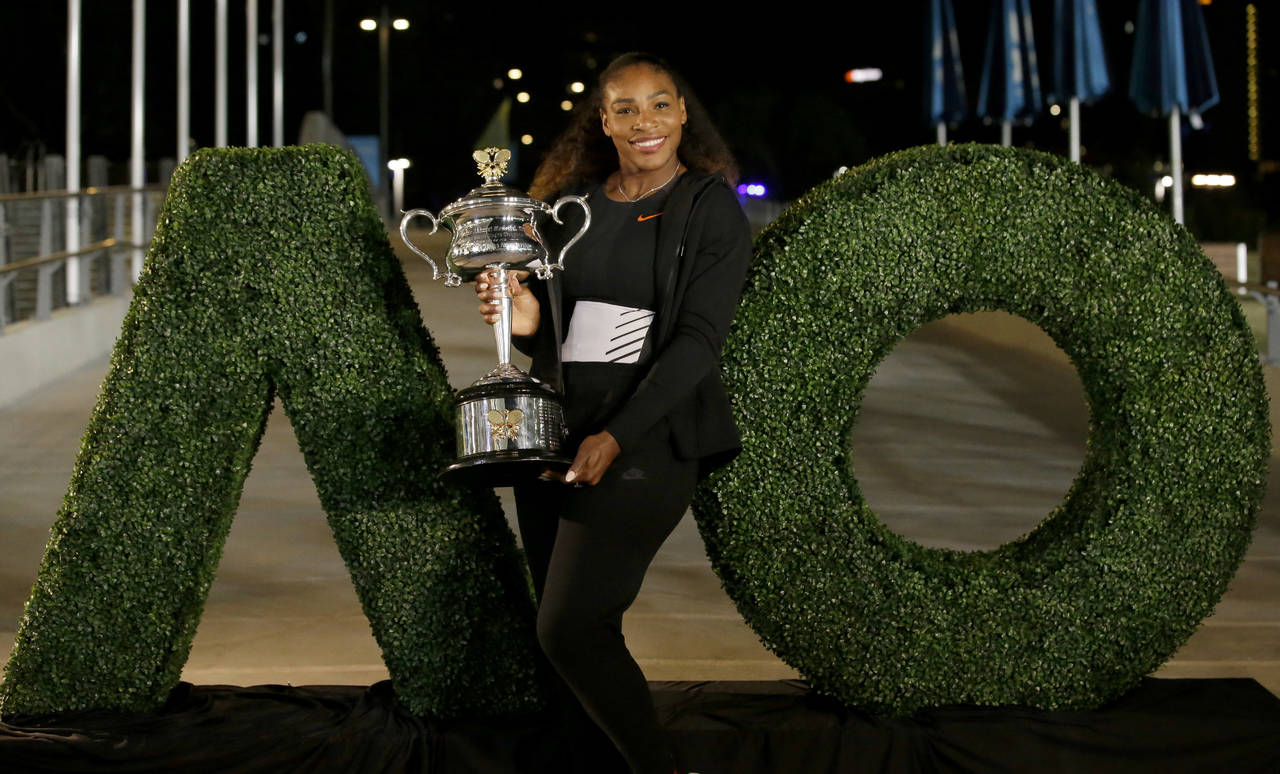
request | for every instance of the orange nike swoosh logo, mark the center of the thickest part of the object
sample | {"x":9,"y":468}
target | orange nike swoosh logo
{"x":643,"y":218}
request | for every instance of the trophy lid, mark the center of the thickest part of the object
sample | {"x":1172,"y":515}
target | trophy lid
{"x":492,"y":165}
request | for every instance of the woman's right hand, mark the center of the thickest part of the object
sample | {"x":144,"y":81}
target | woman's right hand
{"x":524,"y":306}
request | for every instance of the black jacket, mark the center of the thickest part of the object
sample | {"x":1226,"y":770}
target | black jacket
{"x":704,"y":248}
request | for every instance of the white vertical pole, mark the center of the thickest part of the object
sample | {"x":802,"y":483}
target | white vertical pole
{"x":184,"y":79}
{"x":1075,"y":129}
{"x":1242,"y":263}
{"x":1175,"y":159}
{"x":251,"y":73}
{"x":137,"y":163}
{"x":72,"y":224}
{"x":397,"y":189}
{"x":1006,"y":133}
{"x":220,"y":75}
{"x":384,"y":108}
{"x":941,"y":130}
{"x":277,"y":73}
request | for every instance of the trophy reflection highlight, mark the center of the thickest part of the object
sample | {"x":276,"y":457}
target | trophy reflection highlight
{"x":510,"y":426}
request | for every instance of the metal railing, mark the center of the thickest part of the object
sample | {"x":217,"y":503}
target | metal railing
{"x":1269,"y":297}
{"x":124,"y":255}
{"x":29,"y":287}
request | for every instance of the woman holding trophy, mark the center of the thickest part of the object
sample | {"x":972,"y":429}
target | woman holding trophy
{"x":632,"y":333}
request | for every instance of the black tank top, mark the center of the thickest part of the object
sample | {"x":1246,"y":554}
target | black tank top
{"x":612,"y":263}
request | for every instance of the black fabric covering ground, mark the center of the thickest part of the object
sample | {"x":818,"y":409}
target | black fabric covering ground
{"x":720,"y":728}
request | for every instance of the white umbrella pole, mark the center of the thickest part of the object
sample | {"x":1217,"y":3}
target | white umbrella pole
{"x":220,"y":74}
{"x":1006,"y":133}
{"x":137,"y":162}
{"x":72,"y":212}
{"x":1074,"y":109}
{"x":942,"y":135}
{"x":277,"y":73}
{"x":184,"y":79}
{"x":1175,"y":161}
{"x":251,"y":73}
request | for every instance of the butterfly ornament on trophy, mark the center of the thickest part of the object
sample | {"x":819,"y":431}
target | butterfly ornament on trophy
{"x":504,"y":425}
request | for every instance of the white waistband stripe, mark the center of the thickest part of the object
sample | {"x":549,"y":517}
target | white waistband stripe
{"x":605,"y":333}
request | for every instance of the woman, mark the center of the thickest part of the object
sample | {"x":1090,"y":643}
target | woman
{"x":645,"y":304}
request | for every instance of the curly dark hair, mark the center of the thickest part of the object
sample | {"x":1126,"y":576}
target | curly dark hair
{"x":583,"y":152}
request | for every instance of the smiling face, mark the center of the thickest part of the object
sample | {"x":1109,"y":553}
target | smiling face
{"x":643,"y":114}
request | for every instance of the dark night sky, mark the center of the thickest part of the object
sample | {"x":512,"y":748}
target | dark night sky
{"x":772,"y":81}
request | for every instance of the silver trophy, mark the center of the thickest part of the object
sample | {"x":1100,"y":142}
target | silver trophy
{"x":510,"y":426}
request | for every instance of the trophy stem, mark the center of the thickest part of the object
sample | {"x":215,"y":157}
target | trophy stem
{"x":502,"y":329}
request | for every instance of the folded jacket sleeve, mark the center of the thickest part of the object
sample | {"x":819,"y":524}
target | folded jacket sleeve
{"x":718,"y":272}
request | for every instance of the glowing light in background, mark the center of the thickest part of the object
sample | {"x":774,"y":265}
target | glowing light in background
{"x":397,"y":167}
{"x":515,"y":73}
{"x":752,"y":189}
{"x":1251,"y":90}
{"x":1213,"y":181}
{"x":863,"y":75}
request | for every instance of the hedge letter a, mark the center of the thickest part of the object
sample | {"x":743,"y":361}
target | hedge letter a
{"x":271,"y":274}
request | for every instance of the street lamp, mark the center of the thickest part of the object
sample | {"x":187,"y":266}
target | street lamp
{"x":384,"y":24}
{"x":397,"y":167}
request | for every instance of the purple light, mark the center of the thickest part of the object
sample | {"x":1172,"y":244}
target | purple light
{"x":751,"y":189}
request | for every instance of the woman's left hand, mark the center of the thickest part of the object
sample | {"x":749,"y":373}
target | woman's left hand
{"x":595,"y":454}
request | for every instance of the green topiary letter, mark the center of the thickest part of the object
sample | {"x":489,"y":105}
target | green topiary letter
{"x":271,"y":274}
{"x":1158,"y":519}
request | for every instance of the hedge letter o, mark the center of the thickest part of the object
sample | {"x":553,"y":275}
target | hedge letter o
{"x":1120,"y":574}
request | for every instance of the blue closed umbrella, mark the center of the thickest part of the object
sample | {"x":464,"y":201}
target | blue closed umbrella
{"x":1010,"y":88}
{"x":1172,"y":72}
{"x":944,"y":100}
{"x":1079,"y":65}
{"x":1172,"y":64}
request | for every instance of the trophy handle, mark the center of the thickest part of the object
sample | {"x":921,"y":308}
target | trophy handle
{"x":544,"y":272}
{"x":451,"y":278}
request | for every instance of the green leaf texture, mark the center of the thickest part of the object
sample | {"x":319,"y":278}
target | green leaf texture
{"x":1121,"y":573}
{"x":271,"y":274}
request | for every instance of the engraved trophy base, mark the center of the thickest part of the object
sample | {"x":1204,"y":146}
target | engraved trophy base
{"x":510,"y":429}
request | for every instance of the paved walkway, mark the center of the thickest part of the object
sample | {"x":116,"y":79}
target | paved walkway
{"x":972,"y":431}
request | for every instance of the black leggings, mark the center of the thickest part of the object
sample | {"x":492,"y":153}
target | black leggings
{"x":588,"y":550}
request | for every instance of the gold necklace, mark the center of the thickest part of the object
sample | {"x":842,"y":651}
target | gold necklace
{"x":623,"y":193}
